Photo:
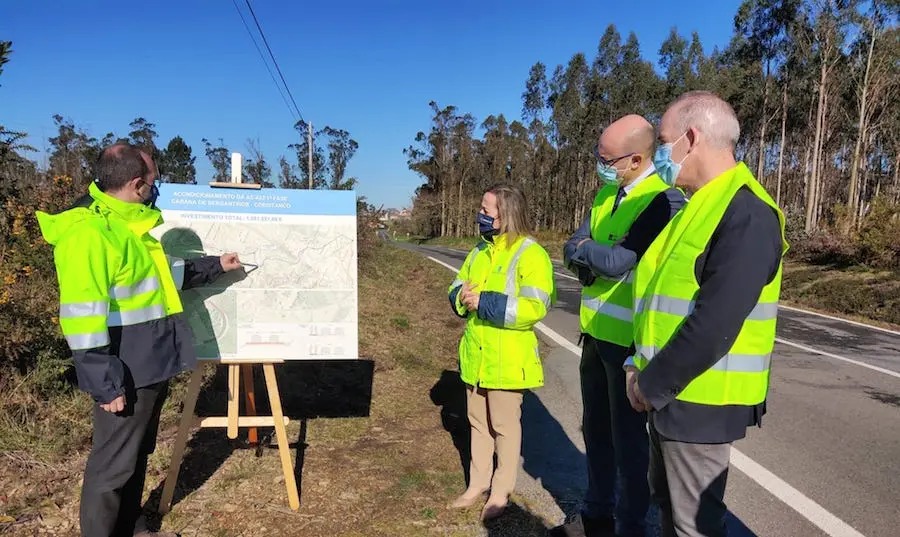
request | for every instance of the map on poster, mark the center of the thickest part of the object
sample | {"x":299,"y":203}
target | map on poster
{"x":296,"y":298}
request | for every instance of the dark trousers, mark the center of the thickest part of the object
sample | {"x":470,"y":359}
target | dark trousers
{"x":688,"y":483}
{"x":114,"y":477}
{"x":615,"y":438}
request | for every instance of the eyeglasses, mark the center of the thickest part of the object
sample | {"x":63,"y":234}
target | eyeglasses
{"x":609,"y":162}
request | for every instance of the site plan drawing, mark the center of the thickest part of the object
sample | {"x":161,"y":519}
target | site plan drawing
{"x":296,"y":297}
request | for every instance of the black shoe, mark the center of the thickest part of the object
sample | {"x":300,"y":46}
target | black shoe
{"x":586,"y":527}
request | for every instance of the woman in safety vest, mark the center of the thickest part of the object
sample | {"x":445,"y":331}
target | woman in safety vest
{"x":505,"y":286}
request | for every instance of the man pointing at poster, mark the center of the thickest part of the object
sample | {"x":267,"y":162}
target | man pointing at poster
{"x":121,"y":314}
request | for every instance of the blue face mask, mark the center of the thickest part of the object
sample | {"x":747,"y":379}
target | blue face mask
{"x":486,"y":226}
{"x":666,"y":168}
{"x":608,"y":174}
{"x":154,"y":195}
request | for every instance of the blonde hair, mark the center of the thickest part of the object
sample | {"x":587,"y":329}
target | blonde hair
{"x":513,"y":210}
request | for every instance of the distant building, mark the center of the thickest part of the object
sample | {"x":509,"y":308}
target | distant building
{"x":391,"y":215}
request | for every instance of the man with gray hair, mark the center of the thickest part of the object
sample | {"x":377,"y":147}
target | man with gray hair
{"x":705,"y":299}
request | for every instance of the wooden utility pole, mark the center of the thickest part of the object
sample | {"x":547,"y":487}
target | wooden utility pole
{"x":310,"y":142}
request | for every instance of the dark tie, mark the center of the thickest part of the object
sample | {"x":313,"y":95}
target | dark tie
{"x":619,"y":196}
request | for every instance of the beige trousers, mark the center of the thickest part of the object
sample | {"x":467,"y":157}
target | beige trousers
{"x":495,"y":417}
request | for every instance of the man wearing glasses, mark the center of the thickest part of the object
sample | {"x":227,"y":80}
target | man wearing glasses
{"x":121,"y":314}
{"x":631,"y":208}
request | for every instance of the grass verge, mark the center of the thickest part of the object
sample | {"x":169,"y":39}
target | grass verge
{"x":370,"y":438}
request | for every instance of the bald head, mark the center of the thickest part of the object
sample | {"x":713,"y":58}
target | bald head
{"x":627,"y":146}
{"x":629,"y":134}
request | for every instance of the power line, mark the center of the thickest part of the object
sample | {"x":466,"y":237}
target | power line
{"x":263,"y":58}
{"x":273,"y":58}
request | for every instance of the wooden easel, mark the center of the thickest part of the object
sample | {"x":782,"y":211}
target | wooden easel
{"x":233,"y":420}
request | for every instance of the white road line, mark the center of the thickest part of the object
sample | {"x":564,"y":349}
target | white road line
{"x":837,"y":357}
{"x":447,"y":265}
{"x":569,"y":276}
{"x":833,"y":318}
{"x":793,"y":498}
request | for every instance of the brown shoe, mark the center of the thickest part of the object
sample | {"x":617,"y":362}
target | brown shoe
{"x":468,"y":499}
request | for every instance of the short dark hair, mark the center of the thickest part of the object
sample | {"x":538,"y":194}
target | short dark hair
{"x":118,"y":164}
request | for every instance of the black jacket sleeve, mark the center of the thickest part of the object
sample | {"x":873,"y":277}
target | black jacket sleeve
{"x":201,"y":271}
{"x":742,"y":257}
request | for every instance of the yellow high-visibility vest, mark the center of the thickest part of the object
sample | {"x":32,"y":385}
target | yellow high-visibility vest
{"x":665,"y":287}
{"x":606,"y":312}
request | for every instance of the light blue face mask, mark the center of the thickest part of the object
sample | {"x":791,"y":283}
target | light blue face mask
{"x":608,"y":174}
{"x":665,"y":167}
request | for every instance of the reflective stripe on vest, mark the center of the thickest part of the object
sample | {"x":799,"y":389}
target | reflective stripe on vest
{"x":130,"y":317}
{"x":83,"y":309}
{"x":127,"y":291}
{"x":763,"y":311}
{"x":80,"y":342}
{"x":740,"y":363}
{"x":512,"y":300}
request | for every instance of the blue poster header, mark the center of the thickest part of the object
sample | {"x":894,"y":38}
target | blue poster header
{"x":202,"y":198}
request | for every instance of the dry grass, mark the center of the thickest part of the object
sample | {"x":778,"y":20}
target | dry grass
{"x":857,"y":293}
{"x":372,"y":449}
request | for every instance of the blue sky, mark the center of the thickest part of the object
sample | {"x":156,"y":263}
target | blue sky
{"x":369,"y":67}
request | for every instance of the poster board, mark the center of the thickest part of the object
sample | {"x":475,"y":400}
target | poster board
{"x":296,"y":298}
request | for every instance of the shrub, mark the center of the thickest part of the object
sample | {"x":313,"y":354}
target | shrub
{"x":28,"y":292}
{"x":878,"y":237}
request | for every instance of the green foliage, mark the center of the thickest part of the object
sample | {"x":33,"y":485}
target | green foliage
{"x":256,"y":169}
{"x":144,"y":136}
{"x":5,"y":51}
{"x":318,"y":158}
{"x":28,"y":295}
{"x":811,"y":84}
{"x":341,"y":149}
{"x":220,"y":158}
{"x":176,"y":163}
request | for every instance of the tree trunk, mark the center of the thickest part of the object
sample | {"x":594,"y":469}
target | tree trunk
{"x":784,"y":101}
{"x":896,"y":181}
{"x":459,"y":205}
{"x":812,"y":188}
{"x":443,"y":211}
{"x":764,"y":121}
{"x":853,"y":201}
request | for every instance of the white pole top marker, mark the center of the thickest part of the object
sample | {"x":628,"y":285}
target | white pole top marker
{"x":236,"y":167}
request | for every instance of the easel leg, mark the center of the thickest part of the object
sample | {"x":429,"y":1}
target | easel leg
{"x":281,"y":434}
{"x":250,"y":399}
{"x":184,"y":429}
{"x":234,"y":399}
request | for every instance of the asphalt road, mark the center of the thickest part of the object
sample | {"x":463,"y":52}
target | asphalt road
{"x":825,"y":462}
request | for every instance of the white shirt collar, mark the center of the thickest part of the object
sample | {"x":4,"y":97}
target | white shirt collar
{"x":647,"y":173}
